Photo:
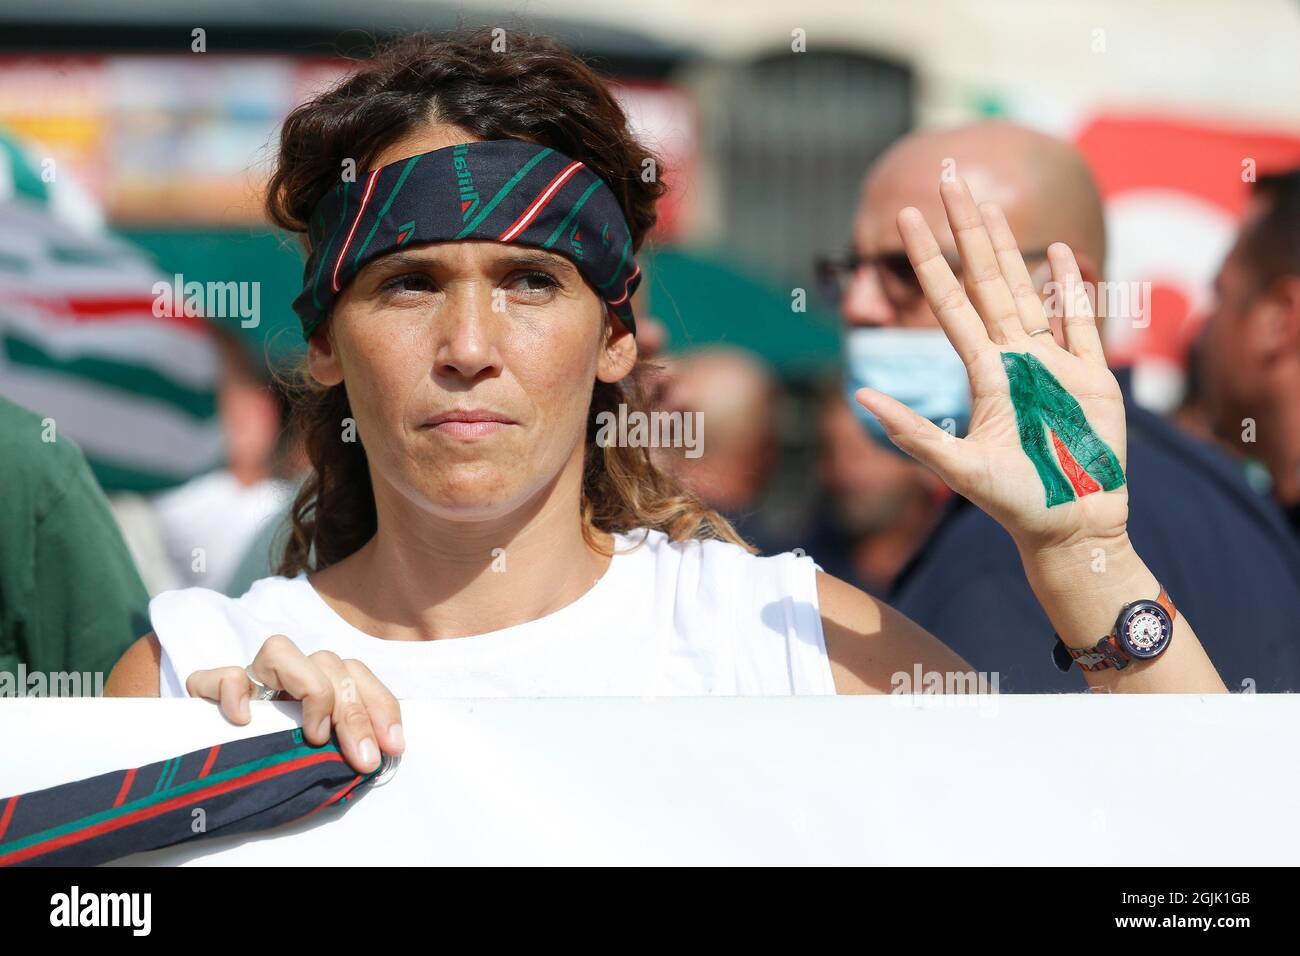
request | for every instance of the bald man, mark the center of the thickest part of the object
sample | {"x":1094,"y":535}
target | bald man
{"x":1042,"y":183}
{"x":1220,"y":550}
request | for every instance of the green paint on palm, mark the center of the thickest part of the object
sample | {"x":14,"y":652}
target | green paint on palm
{"x":1043,"y":406}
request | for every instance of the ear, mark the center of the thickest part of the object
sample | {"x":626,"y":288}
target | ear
{"x":618,"y":355}
{"x":323,"y":358}
{"x":1278,"y":324}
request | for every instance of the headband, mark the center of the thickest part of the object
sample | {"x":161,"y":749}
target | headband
{"x":502,"y":190}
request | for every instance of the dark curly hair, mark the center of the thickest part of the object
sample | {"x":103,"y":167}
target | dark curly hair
{"x":538,"y":91}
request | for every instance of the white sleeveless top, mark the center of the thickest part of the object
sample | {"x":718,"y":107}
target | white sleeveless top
{"x":667,"y":618}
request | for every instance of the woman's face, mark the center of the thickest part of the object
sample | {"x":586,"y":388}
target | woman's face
{"x":505,"y":333}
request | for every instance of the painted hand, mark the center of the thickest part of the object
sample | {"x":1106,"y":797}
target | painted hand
{"x":1045,"y":454}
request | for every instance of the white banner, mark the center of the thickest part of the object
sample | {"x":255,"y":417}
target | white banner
{"x":1066,"y":779}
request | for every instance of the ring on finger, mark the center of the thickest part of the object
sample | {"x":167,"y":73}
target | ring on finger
{"x":1041,"y":331}
{"x":260,"y":690}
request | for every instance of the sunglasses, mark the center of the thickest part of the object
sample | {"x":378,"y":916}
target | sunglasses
{"x":898,"y":280}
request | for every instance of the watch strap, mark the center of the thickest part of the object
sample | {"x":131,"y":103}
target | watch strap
{"x":1107,"y":652}
{"x":1167,"y":603}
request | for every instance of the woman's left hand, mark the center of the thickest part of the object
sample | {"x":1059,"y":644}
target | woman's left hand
{"x":1045,"y":453}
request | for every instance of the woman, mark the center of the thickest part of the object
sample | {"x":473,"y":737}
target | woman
{"x":467,"y":306}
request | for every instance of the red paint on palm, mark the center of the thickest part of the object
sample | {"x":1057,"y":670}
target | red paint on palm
{"x":1080,"y":480}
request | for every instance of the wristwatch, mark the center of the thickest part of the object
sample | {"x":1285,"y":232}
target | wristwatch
{"x":1142,"y":632}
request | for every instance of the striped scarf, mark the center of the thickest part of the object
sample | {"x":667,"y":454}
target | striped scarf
{"x":236,"y":787}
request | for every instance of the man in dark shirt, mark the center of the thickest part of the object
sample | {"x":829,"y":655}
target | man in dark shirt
{"x":1221,"y":550}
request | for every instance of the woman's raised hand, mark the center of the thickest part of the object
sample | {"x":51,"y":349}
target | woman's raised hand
{"x":337,"y":695}
{"x":1045,"y":453}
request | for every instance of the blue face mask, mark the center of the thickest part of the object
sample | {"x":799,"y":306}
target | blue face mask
{"x":919,"y":367}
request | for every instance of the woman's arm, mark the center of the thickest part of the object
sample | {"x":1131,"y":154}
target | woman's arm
{"x":1046,"y":450}
{"x":874,"y":649}
{"x":136,"y":672}
{"x":1083,"y":602}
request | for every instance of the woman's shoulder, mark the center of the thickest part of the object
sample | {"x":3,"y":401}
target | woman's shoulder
{"x":713,"y":550}
{"x":762,"y":611}
{"x":767,"y":602}
{"x":265,"y":597}
{"x":724,"y":566}
{"x":199,"y":628}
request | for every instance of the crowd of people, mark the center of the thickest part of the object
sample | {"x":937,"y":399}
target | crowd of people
{"x":78,"y":568}
{"x":1209,"y":532}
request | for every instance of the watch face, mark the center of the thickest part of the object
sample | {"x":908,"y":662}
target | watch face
{"x":1145,"y":629}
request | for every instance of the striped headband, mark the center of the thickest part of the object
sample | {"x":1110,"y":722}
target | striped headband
{"x":502,"y":190}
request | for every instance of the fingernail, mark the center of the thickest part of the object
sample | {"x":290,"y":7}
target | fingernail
{"x":369,"y":753}
{"x":397,"y":737}
{"x":323,"y":729}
